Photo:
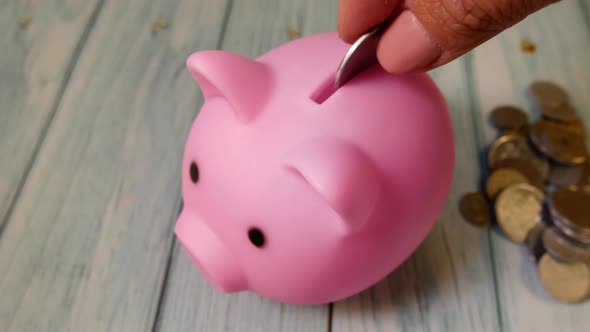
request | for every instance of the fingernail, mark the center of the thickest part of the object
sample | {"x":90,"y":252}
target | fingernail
{"x":405,"y":46}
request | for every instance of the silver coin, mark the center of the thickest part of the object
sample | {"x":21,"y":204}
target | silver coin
{"x":564,"y":249}
{"x":563,"y":175}
{"x":361,"y":55}
{"x":534,"y":241}
{"x":513,"y":145}
{"x":570,"y":211}
{"x":565,"y":226}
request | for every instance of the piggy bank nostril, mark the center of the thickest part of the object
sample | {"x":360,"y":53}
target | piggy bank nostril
{"x":256,"y":237}
{"x":194,"y":172}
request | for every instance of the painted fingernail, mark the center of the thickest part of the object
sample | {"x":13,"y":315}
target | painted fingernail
{"x":405,"y":46}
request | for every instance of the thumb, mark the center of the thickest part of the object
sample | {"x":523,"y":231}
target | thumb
{"x":430,"y":33}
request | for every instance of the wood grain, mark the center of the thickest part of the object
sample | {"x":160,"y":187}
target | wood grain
{"x":95,"y":111}
{"x":190,"y":303}
{"x":447,"y":284}
{"x":40,"y":43}
{"x":88,"y":242}
{"x":503,"y":74}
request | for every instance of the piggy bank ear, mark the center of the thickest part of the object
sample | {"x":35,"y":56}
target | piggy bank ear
{"x":342,"y":174}
{"x":243,"y":82}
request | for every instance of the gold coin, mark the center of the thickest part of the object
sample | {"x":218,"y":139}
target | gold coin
{"x":575,"y":127}
{"x":508,"y":117}
{"x":563,"y":112}
{"x":563,"y":144}
{"x":501,"y":179}
{"x":566,"y":143}
{"x":511,"y":145}
{"x":475,"y":209}
{"x":569,"y":283}
{"x":526,"y":167}
{"x":518,"y":210}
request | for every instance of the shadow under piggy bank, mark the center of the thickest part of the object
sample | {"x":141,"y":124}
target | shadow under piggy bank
{"x":442,"y":281}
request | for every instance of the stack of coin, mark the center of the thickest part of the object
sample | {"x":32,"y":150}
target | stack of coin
{"x":538,"y":189}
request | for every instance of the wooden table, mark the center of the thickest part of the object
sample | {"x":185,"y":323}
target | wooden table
{"x":95,"y":108}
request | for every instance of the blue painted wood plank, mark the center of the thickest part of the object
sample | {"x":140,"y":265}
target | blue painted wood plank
{"x":503,"y":74}
{"x":39,"y":44}
{"x":190,"y":303}
{"x":88,"y":242}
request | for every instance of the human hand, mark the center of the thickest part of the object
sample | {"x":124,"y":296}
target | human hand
{"x":425,"y":34}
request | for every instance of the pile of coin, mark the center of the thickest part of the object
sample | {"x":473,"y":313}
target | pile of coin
{"x":538,"y":190}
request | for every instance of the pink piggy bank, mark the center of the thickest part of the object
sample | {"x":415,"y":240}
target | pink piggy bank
{"x":303,"y":193}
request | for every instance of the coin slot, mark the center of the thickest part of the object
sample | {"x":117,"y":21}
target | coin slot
{"x":325,"y":90}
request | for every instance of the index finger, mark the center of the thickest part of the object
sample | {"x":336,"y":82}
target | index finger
{"x":355,"y":17}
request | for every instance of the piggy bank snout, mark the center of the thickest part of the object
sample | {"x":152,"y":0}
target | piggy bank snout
{"x":209,"y":253}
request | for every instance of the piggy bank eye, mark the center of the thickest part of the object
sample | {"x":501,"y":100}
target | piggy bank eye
{"x":256,"y":237}
{"x":194,"y":172}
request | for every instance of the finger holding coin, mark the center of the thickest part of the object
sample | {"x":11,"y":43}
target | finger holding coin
{"x":361,"y":55}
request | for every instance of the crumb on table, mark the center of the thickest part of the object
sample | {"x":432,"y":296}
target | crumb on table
{"x":24,"y":22}
{"x":528,"y":46}
{"x":293,"y":32}
{"x":159,"y":25}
